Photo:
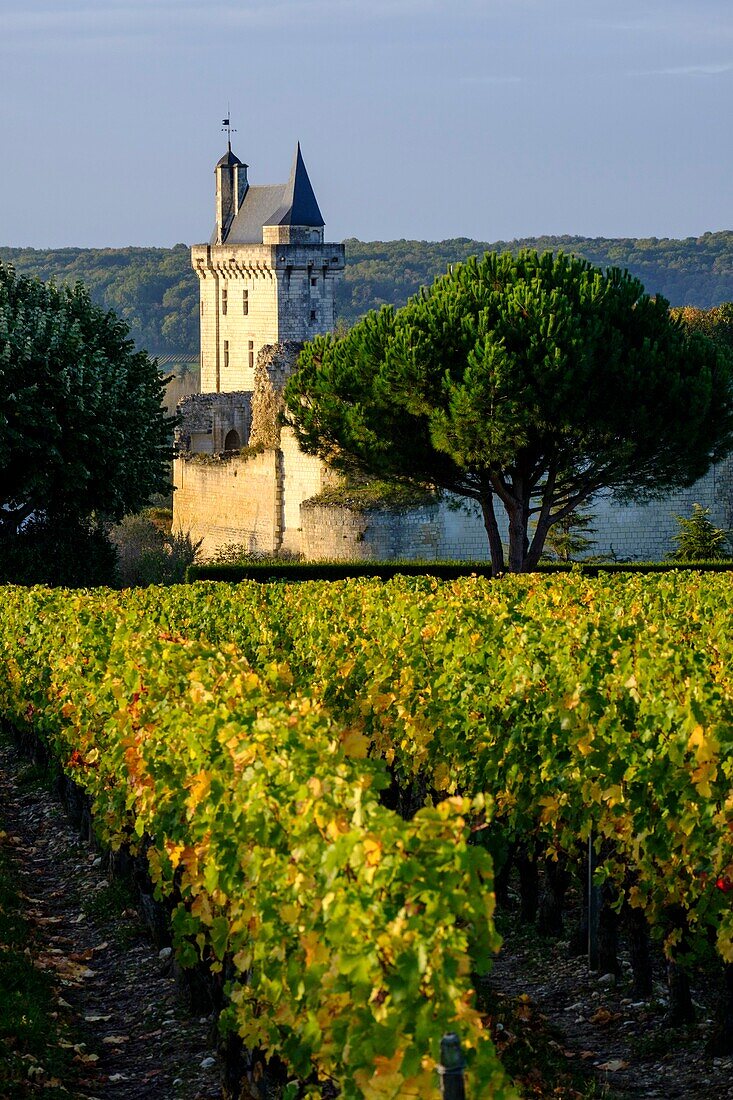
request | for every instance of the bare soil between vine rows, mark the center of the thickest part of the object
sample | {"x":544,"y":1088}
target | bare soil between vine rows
{"x":624,"y":1043}
{"x":135,"y":1035}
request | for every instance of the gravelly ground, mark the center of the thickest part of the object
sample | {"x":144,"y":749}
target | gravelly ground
{"x":140,"y":1041}
{"x":603,"y":1026}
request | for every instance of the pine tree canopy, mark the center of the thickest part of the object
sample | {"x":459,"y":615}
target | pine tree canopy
{"x":530,"y":382}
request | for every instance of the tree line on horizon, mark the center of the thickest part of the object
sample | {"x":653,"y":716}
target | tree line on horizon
{"x":156,"y":292}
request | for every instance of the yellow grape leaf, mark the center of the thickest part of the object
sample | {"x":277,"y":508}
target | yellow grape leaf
{"x":199,"y":787}
{"x":198,"y":693}
{"x":422,"y":1087}
{"x":154,"y":865}
{"x":671,"y":941}
{"x":289,"y":913}
{"x":725,"y":945}
{"x":613,"y":795}
{"x":441,"y":777}
{"x":705,"y":747}
{"x":635,"y":898}
{"x":372,"y":852}
{"x":174,"y":851}
{"x":242,"y":960}
{"x":201,"y":908}
{"x":549,"y":808}
{"x":315,"y":951}
{"x":336,"y":827}
{"x":386,"y":1081}
{"x":251,"y":681}
{"x":703,"y":776}
{"x":355,"y":744}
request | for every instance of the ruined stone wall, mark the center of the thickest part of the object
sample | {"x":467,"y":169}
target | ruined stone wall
{"x":234,"y":499}
{"x":208,"y":418}
{"x":454,"y":529}
{"x":303,"y":476}
{"x":275,"y":364}
{"x":330,"y":531}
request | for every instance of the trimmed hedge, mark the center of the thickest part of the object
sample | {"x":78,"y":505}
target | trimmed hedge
{"x":266,"y":571}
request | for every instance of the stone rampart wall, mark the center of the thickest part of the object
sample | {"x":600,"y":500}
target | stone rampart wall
{"x":644,"y":532}
{"x":303,"y":476}
{"x":228,"y":500}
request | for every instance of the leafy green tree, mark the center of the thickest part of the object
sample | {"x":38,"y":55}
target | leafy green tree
{"x":156,"y":291}
{"x":82,"y":431}
{"x":698,"y":539}
{"x":531,"y":382}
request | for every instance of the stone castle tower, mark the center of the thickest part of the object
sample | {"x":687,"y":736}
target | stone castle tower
{"x":267,"y":280}
{"x":266,"y":277}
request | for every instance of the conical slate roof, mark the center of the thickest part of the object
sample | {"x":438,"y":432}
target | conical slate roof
{"x":291,"y":203}
{"x":229,"y":160}
{"x":299,"y":205}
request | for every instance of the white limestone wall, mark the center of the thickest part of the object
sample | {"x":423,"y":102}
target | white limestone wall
{"x":644,"y":532}
{"x":229,"y":500}
{"x":303,"y":476}
{"x":454,"y":528}
{"x":227,"y":361}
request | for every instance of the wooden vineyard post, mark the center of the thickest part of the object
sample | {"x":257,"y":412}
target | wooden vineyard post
{"x":452,"y":1065}
{"x":594,"y":907}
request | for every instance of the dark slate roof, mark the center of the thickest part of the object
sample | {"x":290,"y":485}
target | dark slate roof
{"x":229,"y":159}
{"x":299,"y":205}
{"x":291,"y":203}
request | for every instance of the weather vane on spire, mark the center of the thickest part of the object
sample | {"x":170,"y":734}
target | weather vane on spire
{"x":226,"y":127}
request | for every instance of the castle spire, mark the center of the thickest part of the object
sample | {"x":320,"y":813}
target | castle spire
{"x":231,"y":186}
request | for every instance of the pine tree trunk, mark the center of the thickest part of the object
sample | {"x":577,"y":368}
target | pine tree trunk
{"x":492,"y":530}
{"x":517,"y":540}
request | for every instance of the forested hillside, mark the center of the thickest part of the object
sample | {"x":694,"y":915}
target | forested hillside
{"x":155,"y":290}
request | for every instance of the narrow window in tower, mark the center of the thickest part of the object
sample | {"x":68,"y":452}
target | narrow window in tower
{"x":245,"y":302}
{"x":202,"y":307}
{"x":224,"y":294}
{"x":314,"y":282}
{"x":226,"y":353}
{"x":251,"y":352}
{"x":313,"y":315}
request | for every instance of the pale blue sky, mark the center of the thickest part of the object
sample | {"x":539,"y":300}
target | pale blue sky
{"x":418,"y":118}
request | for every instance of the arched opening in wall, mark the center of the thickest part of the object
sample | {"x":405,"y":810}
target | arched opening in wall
{"x":232,"y":442}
